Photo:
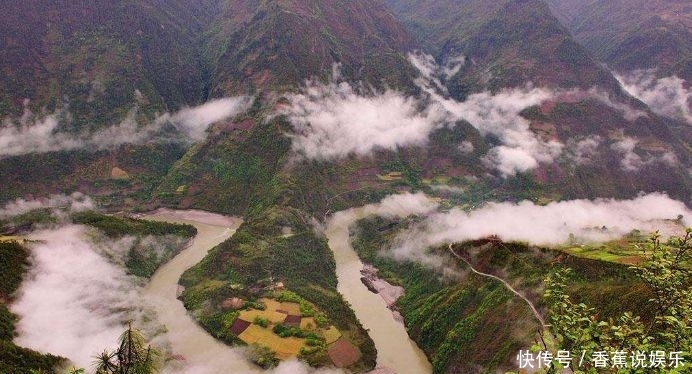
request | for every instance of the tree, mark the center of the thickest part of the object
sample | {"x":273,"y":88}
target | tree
{"x":263,"y":356}
{"x":131,"y":356}
{"x":666,"y":273}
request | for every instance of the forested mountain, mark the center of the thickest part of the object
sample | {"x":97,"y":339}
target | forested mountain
{"x":630,"y":35}
{"x":285,"y":111}
{"x":257,"y":46}
{"x":94,"y":56}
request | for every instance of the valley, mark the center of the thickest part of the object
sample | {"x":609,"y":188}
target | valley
{"x":251,"y":173}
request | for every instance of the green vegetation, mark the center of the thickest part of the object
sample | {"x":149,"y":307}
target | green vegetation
{"x":14,"y":259}
{"x":146,"y":255}
{"x":132,"y":356}
{"x":463,"y":321}
{"x":18,"y":360}
{"x":115,"y":227}
{"x":249,"y":264}
{"x":15,"y":359}
{"x":666,"y":276}
{"x":28,"y":220}
{"x":42,"y":174}
{"x":263,"y":356}
{"x":262,"y":322}
{"x":457,"y":321}
{"x":231,"y":173}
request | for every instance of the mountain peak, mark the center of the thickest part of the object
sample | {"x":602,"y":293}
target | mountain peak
{"x":278,"y":44}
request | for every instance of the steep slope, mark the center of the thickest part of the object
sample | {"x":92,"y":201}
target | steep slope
{"x":273,"y":45}
{"x":467,"y":323}
{"x":505,"y":44}
{"x":71,"y":69}
{"x":515,"y":43}
{"x":630,"y":35}
{"x":94,"y":56}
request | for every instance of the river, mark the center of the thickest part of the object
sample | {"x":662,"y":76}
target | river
{"x":395,"y":350}
{"x":202,"y":353}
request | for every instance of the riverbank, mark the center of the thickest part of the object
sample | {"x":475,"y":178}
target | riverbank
{"x":395,"y":350}
{"x":387,"y":291}
{"x":195,"y":349}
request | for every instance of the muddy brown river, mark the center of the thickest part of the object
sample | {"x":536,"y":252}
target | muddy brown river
{"x":395,"y":350}
{"x":205,"y":355}
{"x":200,"y":353}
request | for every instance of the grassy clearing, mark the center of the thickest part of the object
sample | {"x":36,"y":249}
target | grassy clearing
{"x":627,"y":250}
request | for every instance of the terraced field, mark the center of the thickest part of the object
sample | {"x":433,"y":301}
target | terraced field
{"x":289,"y":329}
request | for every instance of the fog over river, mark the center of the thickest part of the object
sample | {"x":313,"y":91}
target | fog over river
{"x":75,"y":302}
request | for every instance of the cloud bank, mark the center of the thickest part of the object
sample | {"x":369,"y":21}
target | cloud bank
{"x":30,"y":134}
{"x":631,"y":161}
{"x":335,"y":120}
{"x":73,"y":303}
{"x":74,"y":203}
{"x":582,"y":150}
{"x":665,"y":96}
{"x":520,"y":149}
{"x":332,"y":121}
{"x":542,"y":225}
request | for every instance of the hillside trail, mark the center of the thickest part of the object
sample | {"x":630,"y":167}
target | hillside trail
{"x":544,"y":327}
{"x":507,"y":285}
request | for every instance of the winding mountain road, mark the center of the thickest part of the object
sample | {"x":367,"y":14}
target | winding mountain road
{"x":507,"y":285}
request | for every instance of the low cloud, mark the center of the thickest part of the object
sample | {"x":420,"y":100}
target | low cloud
{"x":581,"y":151}
{"x":335,"y":120}
{"x":632,"y":161}
{"x":401,"y":205}
{"x":73,"y":303}
{"x":393,"y":206}
{"x":629,"y":113}
{"x":550,"y":224}
{"x":75,"y":202}
{"x":194,"y":121}
{"x":665,"y":96}
{"x":498,"y":115}
{"x":520,"y":149}
{"x":30,"y":134}
{"x":432,"y":72}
